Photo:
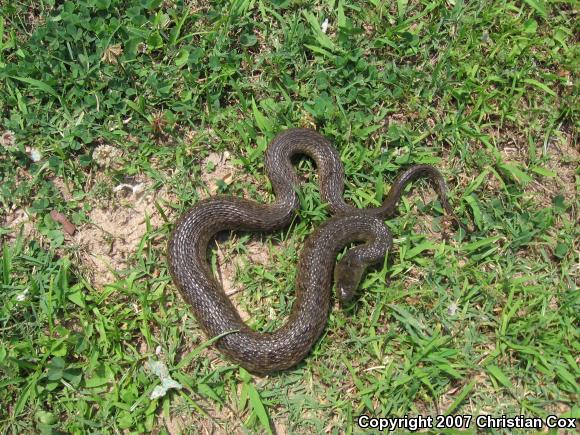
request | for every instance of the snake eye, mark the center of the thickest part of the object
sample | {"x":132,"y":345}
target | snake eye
{"x":347,"y":278}
{"x":345,"y":295}
{"x":346,"y":283}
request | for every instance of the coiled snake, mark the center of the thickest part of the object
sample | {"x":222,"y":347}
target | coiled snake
{"x":188,"y":246}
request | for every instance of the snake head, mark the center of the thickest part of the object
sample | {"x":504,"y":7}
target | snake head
{"x":347,"y":275}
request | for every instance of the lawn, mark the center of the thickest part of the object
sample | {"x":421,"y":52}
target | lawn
{"x":117,"y":116}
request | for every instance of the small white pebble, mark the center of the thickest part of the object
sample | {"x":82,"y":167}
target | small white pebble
{"x":34,"y":154}
{"x":22,"y":296}
{"x":135,"y":190}
{"x":121,"y":187}
{"x":452,"y":309}
{"x":139,"y":188}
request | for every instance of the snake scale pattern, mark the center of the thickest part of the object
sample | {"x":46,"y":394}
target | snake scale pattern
{"x":317,"y":267}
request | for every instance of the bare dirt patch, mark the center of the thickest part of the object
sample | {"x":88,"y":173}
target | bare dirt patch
{"x":565,"y":157}
{"x":63,"y":188}
{"x":218,"y":171}
{"x":216,"y":422}
{"x":18,"y":220}
{"x":217,"y":168}
{"x":15,"y":216}
{"x":114,"y":233}
{"x":563,"y":161}
{"x":230,"y":262}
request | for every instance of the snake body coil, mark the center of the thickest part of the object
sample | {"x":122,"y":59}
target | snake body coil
{"x":267,"y":352}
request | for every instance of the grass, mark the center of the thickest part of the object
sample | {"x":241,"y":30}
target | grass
{"x":479,"y":323}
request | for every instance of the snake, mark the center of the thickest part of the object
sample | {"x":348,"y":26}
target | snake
{"x":266,"y":352}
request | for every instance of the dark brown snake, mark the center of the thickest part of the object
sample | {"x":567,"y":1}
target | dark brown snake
{"x":281,"y":349}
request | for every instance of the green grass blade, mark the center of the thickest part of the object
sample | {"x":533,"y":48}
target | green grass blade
{"x":38,"y":85}
{"x":538,"y":5}
{"x":498,"y":374}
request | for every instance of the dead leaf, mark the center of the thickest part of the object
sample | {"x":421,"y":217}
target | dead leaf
{"x":67,"y":226}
